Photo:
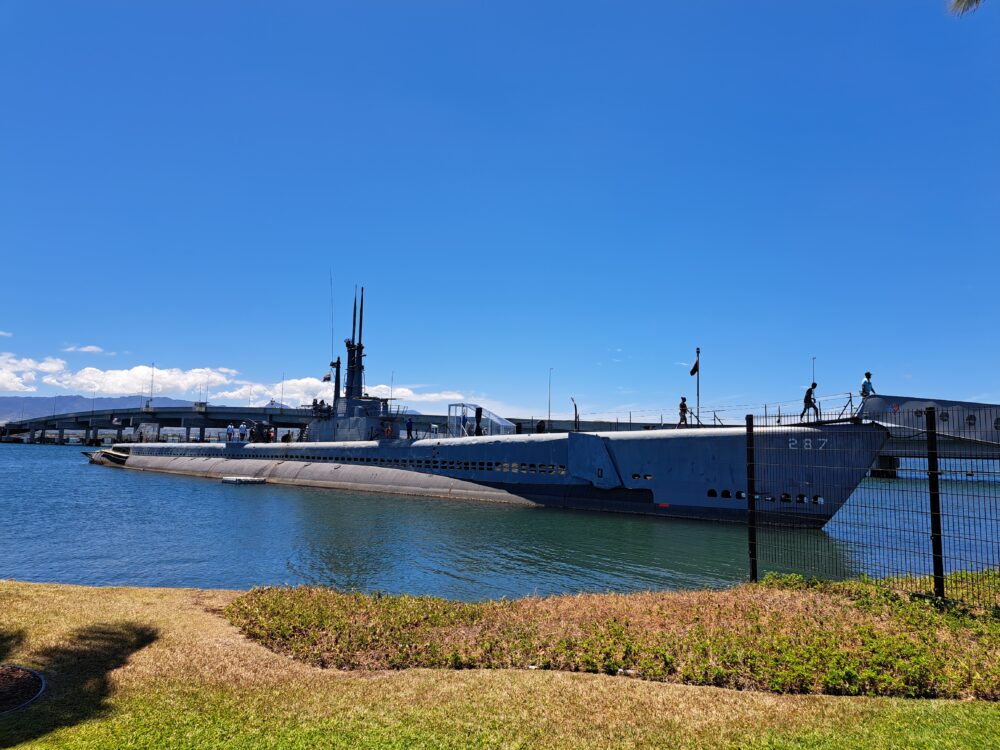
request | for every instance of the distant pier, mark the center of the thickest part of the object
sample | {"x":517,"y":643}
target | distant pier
{"x":195,"y":420}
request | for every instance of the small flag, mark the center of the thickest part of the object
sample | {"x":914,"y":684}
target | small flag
{"x":326,"y":378}
{"x":694,"y":368}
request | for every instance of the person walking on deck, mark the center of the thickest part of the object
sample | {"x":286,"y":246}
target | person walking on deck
{"x":809,"y":402}
{"x":867,"y":389}
{"x":682,"y":412}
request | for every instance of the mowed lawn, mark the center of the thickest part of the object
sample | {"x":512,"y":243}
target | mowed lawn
{"x":136,"y":668}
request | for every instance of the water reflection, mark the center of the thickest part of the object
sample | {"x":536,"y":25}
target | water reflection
{"x":475,"y":550}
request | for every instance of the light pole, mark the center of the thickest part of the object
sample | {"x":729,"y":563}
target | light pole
{"x":550,"y":398}
{"x":576,"y":415}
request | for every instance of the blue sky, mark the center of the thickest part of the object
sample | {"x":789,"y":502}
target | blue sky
{"x":594,"y":187}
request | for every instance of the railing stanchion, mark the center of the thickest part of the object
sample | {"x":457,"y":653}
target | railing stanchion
{"x":751,"y":501}
{"x":933,"y":481}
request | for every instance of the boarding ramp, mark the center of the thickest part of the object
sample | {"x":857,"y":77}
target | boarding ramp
{"x":471,"y":420}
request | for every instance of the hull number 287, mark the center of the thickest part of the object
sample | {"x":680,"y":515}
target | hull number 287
{"x":807,"y":444}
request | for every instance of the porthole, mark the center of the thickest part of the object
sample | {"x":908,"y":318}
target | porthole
{"x":741,"y":495}
{"x":636,"y":476}
{"x":800,"y":498}
{"x":713,"y":493}
{"x":785,"y":497}
{"x":818,"y":500}
{"x":727,"y":494}
{"x":971,"y":420}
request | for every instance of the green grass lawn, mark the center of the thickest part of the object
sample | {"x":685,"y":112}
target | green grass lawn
{"x":161,"y":668}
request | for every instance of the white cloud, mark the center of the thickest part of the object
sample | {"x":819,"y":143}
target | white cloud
{"x":137,"y":380}
{"x":18,"y":374}
{"x":298,"y":391}
{"x":89,"y":348}
{"x":6,"y":334}
{"x":216,"y":384}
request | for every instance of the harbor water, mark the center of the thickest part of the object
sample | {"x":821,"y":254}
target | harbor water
{"x":67,"y":521}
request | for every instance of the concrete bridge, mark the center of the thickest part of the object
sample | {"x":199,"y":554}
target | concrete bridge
{"x":195,"y":420}
{"x":198,"y":417}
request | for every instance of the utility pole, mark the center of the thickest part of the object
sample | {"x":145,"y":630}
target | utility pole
{"x":697,"y":362}
{"x":550,"y":398}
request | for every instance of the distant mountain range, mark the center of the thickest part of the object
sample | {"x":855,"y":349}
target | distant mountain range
{"x":24,"y":407}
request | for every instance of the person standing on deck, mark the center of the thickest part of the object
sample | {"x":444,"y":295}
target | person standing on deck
{"x":409,"y":428}
{"x":867,"y":389}
{"x":809,"y":402}
{"x":682,"y":412}
{"x":230,"y":432}
{"x":243,"y":431}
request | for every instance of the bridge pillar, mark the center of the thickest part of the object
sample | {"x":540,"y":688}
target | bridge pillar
{"x":158,"y":425}
{"x":62,"y":436}
{"x":31,"y":437}
{"x":43,"y":435}
{"x":201,"y":434}
{"x":86,"y":435}
{"x":187,"y":434}
{"x":118,"y":435}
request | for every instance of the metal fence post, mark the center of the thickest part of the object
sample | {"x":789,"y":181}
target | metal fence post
{"x":937,"y":550}
{"x":751,"y":501}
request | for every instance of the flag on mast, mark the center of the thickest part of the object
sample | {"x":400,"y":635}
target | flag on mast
{"x":327,"y":378}
{"x":694,"y":367}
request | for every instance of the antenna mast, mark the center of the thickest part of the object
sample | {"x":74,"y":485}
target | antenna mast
{"x":354,"y":316}
{"x":333,"y":343}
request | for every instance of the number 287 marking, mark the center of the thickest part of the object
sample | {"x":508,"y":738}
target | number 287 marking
{"x":807,"y":444}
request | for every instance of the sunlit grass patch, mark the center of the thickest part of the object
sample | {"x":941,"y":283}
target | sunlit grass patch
{"x":786,"y":635}
{"x":200,"y":683}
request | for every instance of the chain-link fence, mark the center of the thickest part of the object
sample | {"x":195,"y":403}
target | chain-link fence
{"x":912,"y":496}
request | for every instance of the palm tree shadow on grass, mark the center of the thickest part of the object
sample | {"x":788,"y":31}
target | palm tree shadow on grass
{"x":10,"y":641}
{"x":77,"y":674}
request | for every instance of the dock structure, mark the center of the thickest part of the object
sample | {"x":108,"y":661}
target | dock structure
{"x":195,"y":420}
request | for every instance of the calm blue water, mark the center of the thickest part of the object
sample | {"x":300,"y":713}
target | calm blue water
{"x":64,"y":520}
